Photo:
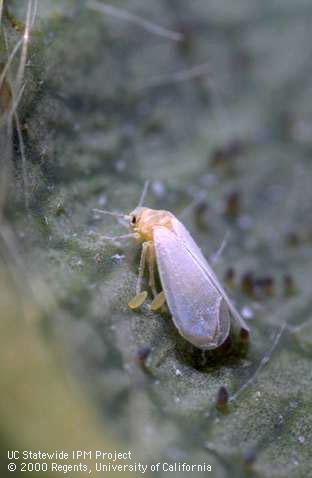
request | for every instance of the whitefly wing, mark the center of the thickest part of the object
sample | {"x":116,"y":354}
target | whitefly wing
{"x":198,"y":309}
{"x":185,"y":237}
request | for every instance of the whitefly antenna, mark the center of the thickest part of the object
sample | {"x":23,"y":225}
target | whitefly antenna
{"x":109,"y":213}
{"x":122,"y":218}
{"x":144,"y":192}
{"x":120,"y":214}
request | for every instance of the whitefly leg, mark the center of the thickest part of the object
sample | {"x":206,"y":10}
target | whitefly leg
{"x":145,"y":246}
{"x":151,"y":268}
{"x":140,"y":296}
{"x":132,"y":235}
{"x":159,"y":300}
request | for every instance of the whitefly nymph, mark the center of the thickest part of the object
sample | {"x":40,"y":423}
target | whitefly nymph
{"x":200,"y":308}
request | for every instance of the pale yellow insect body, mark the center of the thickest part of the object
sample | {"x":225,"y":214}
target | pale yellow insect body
{"x":200,"y":307}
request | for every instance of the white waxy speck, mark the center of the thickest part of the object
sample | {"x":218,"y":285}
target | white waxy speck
{"x":117,"y":258}
{"x":280,"y":419}
{"x":92,"y":234}
{"x":102,"y":200}
{"x":247,"y":312}
{"x":301,"y":439}
{"x":158,"y":189}
{"x":178,"y":372}
{"x":246,"y":363}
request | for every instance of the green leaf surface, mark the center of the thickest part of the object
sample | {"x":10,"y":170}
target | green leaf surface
{"x":220,"y":123}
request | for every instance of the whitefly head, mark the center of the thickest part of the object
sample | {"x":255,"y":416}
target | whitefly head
{"x":135,"y":218}
{"x":142,"y":220}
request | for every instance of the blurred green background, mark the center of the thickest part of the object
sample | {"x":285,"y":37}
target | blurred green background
{"x":211,"y":101}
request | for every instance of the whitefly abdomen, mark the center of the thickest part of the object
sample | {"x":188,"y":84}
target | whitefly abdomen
{"x":198,"y":309}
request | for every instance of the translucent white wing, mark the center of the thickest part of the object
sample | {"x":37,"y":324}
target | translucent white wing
{"x":198,"y":309}
{"x":196,"y":253}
